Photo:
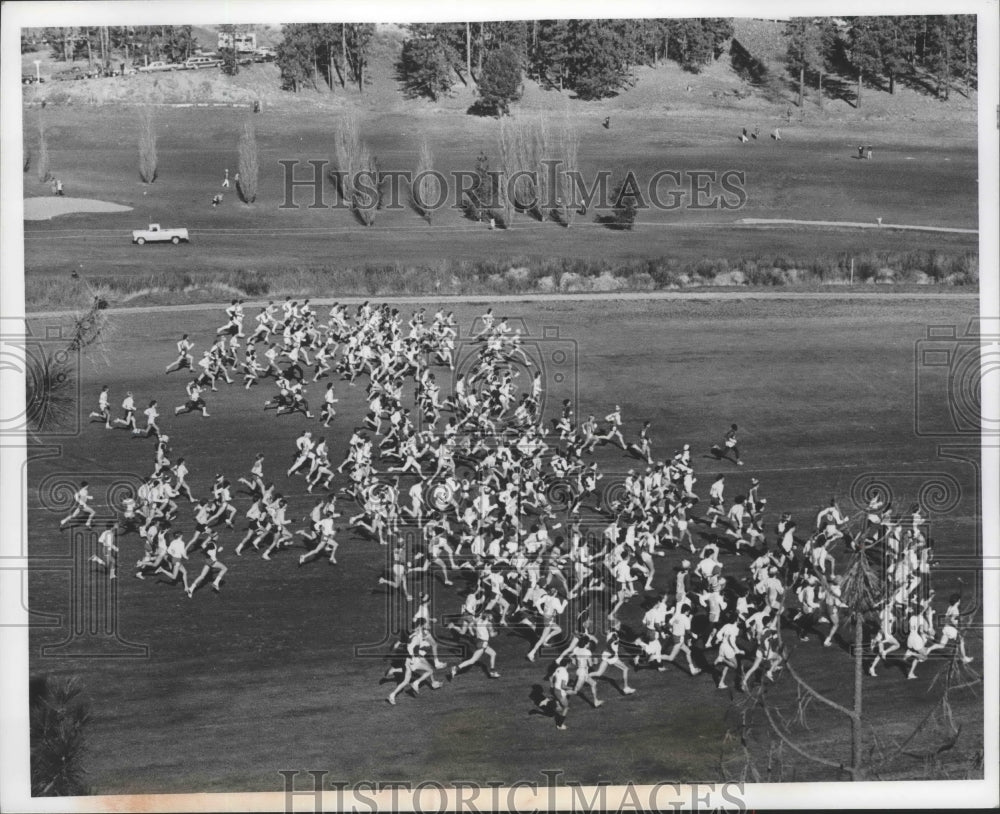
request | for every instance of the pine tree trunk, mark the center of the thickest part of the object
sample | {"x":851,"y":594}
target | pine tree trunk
{"x":892,"y":82}
{"x":819,"y":88}
{"x":857,"y":103}
{"x":802,"y":84}
{"x":343,"y":52}
{"x":947,"y":66}
{"x":468,"y":50}
{"x":968,"y":84}
{"x":482,"y":36}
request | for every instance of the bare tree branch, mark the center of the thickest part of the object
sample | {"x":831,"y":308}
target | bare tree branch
{"x":815,"y":694}
{"x":795,"y":747}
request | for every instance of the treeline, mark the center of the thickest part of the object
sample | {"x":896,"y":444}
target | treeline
{"x":105,"y":44}
{"x":597,"y":58}
{"x":593,"y":58}
{"x":318,"y":54}
{"x":885,"y":49}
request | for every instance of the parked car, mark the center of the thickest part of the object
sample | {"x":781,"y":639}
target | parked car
{"x":156,"y":234}
{"x":197,"y":63}
{"x":31,"y":79}
{"x":74,"y":73}
{"x":159,"y":65}
{"x":264,"y":54}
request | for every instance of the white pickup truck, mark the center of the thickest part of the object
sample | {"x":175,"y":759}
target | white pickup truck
{"x":155,"y":234}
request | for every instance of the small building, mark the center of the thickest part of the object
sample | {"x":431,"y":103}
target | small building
{"x":243,"y":42}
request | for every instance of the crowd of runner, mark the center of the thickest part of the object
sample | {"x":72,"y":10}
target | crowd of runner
{"x":509,"y":506}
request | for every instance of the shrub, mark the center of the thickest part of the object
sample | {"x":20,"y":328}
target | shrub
{"x":625,"y":204}
{"x":230,"y":64}
{"x":251,"y":283}
{"x":57,"y":720}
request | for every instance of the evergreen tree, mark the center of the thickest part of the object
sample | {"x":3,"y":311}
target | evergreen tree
{"x":805,"y":48}
{"x":500,"y":82}
{"x":552,"y":54}
{"x":426,"y":69}
{"x":178,"y":43}
{"x":358,"y":40}
{"x":296,"y":55}
{"x":598,"y":65}
{"x":865,"y":57}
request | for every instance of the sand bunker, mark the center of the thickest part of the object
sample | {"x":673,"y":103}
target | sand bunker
{"x":52,"y":206}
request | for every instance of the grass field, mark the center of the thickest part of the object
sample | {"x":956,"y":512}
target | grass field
{"x":926,"y":178}
{"x":268,"y":674}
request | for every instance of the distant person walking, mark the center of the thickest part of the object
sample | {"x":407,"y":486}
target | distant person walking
{"x":59,"y":186}
{"x":225,"y":181}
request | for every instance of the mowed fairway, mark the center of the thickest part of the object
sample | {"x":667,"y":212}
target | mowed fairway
{"x":926,"y":179}
{"x":267,"y":675}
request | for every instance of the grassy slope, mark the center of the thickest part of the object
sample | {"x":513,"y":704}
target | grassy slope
{"x":666,"y":87}
{"x":822,"y":391}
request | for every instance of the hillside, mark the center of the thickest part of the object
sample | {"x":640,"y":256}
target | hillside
{"x":749,"y":80}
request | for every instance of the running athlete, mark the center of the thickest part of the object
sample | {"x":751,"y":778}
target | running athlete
{"x":81,"y":499}
{"x":103,"y":412}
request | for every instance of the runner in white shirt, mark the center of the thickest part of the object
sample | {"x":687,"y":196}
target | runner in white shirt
{"x":110,"y":559}
{"x":884,"y":641}
{"x":180,"y":471}
{"x":729,"y":653}
{"x":176,"y":553}
{"x":326,"y":540}
{"x":550,"y":606}
{"x":103,"y":412}
{"x":194,"y":400}
{"x":559,"y":702}
{"x":581,"y":651}
{"x":304,"y":444}
{"x":81,"y":499}
{"x":679,"y":625}
{"x":483,"y":631}
{"x":211,"y":549}
{"x":327,"y":413}
{"x":716,"y":500}
{"x":128,"y":409}
{"x":184,"y":357}
{"x":151,"y":427}
{"x":951,"y":630}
